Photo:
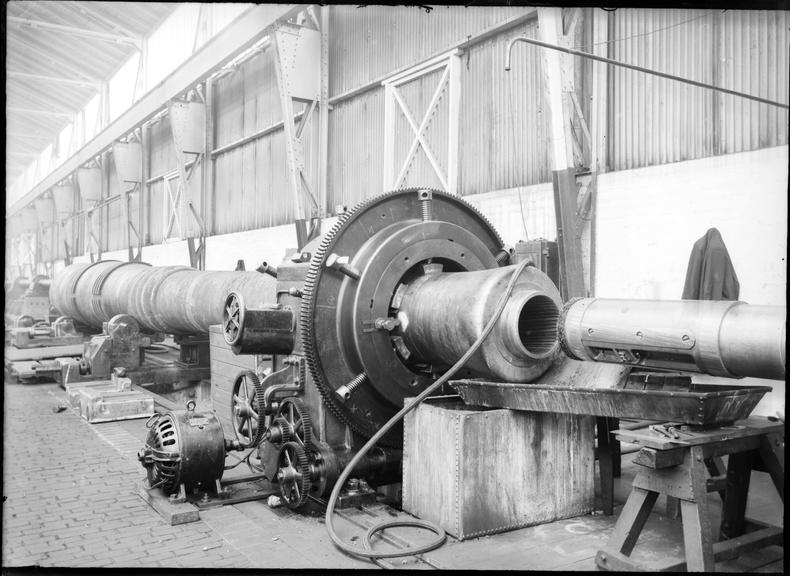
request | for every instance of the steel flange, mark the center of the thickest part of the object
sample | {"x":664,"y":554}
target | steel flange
{"x":350,"y":297}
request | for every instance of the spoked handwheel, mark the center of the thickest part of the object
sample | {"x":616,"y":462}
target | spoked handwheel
{"x":233,"y":318}
{"x":247,"y":409}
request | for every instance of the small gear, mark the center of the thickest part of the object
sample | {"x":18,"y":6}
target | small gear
{"x":293,"y":415}
{"x":293,"y":474}
{"x":280,"y":431}
{"x":247,"y":409}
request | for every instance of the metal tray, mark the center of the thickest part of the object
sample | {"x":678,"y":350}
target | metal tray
{"x":696,"y":404}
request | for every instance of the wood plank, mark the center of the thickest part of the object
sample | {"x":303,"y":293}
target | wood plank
{"x":50,"y":352}
{"x":718,"y":440}
{"x":772,"y":454}
{"x":672,"y":481}
{"x":605,"y":464}
{"x":731,"y":549}
{"x":171,"y":513}
{"x":652,"y":458}
{"x":697,"y":529}
{"x":739,"y":468}
{"x":227,"y":356}
{"x":631,"y":521}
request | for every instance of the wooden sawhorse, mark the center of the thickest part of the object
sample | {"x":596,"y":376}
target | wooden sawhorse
{"x":679,"y":468}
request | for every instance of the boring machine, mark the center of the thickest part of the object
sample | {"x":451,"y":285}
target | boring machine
{"x":376,"y":310}
{"x":359,"y":321}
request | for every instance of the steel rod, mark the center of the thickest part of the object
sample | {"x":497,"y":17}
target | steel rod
{"x":638,"y":69}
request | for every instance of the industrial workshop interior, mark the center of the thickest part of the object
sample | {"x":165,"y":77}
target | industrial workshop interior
{"x":304,"y":286}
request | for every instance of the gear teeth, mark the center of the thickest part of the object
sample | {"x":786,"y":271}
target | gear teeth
{"x":287,"y":431}
{"x":304,"y":416}
{"x":308,"y":303}
{"x":302,"y":464}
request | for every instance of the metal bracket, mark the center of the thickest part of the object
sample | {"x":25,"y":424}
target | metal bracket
{"x":297,"y":67}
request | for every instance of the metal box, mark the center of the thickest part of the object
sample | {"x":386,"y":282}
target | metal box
{"x":102,"y":406}
{"x":476,"y":472}
{"x":543,"y":253}
{"x":73,"y":390}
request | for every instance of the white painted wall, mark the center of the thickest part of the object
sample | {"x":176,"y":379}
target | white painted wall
{"x":649,"y":218}
{"x":222,"y":252}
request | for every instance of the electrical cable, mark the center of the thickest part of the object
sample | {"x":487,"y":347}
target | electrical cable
{"x":586,"y":47}
{"x":344,"y":475}
{"x":244,"y":459}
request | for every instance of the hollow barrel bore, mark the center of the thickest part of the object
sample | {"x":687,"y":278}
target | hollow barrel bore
{"x":442,"y":314}
{"x":721,"y":338}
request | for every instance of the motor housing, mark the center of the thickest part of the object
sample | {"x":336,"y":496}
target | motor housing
{"x":184,"y":451}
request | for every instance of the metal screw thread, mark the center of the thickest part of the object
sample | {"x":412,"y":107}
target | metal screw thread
{"x":426,"y":209}
{"x":502,"y":257}
{"x":356,"y":382}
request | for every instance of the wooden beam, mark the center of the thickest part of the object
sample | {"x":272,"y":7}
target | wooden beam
{"x":62,"y":63}
{"x":81,"y":32}
{"x":52,"y":79}
{"x":86,"y":9}
{"x":30,"y":136}
{"x":38,"y":112}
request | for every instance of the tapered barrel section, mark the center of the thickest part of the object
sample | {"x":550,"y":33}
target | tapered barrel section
{"x":721,"y":338}
{"x":442,"y":314}
{"x":169,"y":299}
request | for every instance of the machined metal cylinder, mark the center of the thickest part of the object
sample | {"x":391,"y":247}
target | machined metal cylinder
{"x":169,"y":299}
{"x":268,"y":330}
{"x":442,"y":314}
{"x":721,"y":338}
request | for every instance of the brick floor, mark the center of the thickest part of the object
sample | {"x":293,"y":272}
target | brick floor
{"x":70,"y":499}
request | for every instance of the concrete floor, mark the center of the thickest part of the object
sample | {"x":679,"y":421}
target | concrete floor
{"x":71,"y":499}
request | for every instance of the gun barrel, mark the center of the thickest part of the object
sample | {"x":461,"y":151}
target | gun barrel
{"x":721,"y":338}
{"x":169,"y":299}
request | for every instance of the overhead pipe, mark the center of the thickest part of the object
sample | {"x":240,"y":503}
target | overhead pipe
{"x":637,"y":68}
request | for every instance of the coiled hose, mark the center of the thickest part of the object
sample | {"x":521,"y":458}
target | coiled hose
{"x":441,"y":536}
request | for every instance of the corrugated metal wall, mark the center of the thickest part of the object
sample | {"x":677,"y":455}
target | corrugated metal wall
{"x":654,"y":120}
{"x":502,"y":130}
{"x":502,"y":133}
{"x":251,"y":183}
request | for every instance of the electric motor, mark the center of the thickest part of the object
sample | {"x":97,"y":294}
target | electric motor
{"x":184,"y":447}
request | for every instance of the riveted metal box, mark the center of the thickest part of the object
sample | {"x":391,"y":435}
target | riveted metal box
{"x":476,"y":471}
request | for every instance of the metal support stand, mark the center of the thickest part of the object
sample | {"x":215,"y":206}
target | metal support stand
{"x":679,"y":470}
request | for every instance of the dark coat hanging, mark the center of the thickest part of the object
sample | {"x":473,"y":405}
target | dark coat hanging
{"x":710,"y":274}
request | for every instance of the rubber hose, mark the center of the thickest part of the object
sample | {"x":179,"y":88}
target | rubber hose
{"x":330,"y":508}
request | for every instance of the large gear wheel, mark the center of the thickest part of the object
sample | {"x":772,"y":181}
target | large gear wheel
{"x":294,"y":421}
{"x":247,"y":409}
{"x":385,"y":240}
{"x":293,"y":474}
